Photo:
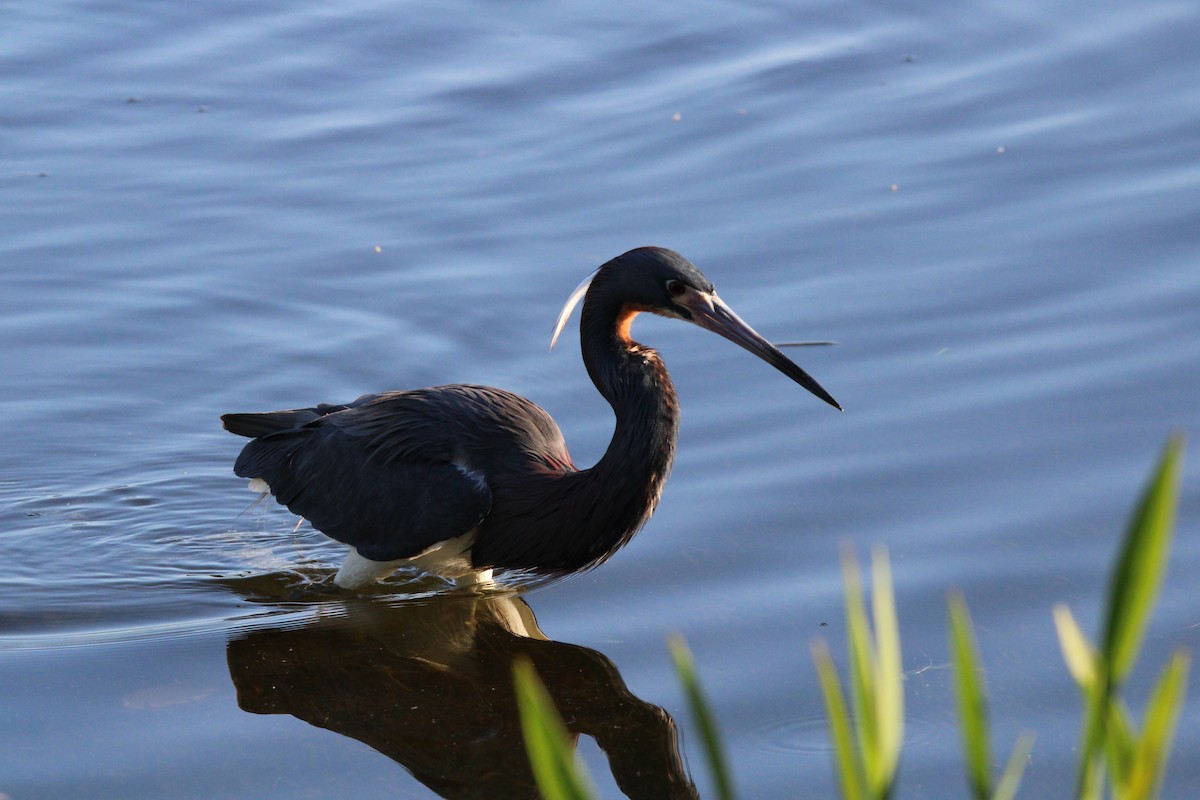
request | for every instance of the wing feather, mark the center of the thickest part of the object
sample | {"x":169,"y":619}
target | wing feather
{"x":395,"y":473}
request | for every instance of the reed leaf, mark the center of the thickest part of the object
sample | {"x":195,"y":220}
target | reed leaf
{"x":1108,"y":733}
{"x":546,"y":741}
{"x":1120,"y":742}
{"x":846,"y":753}
{"x":972,"y":698}
{"x":1162,"y":715}
{"x":971,"y":691}
{"x":1078,"y":653}
{"x":714,"y":751}
{"x":888,"y":672}
{"x":1010,"y":779}
{"x":876,"y":681}
{"x":861,"y":653}
{"x":1141,"y":565}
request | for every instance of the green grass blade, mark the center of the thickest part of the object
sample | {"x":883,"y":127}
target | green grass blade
{"x":972,"y":698}
{"x":888,"y":673}
{"x":1141,"y":565}
{"x":714,"y":751}
{"x":1133,"y":587}
{"x":1078,"y":652}
{"x":841,"y":734}
{"x":1010,"y":779}
{"x":876,"y":673}
{"x":861,"y":654}
{"x":551,"y":756}
{"x":1162,"y":715}
{"x":1120,"y":742}
{"x":1094,"y":740}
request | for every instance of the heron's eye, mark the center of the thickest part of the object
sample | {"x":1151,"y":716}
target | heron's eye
{"x":675,"y":288}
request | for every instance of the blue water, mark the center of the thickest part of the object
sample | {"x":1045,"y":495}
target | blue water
{"x":219,"y":207}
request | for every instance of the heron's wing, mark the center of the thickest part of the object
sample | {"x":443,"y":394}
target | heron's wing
{"x":393,"y":474}
{"x":385,"y":508}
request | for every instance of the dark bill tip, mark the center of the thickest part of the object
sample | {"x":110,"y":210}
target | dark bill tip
{"x":711,"y":313}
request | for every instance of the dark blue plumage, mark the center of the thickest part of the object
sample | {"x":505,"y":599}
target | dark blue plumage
{"x":462,"y":479}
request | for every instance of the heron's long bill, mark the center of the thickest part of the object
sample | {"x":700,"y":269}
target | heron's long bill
{"x":711,"y":313}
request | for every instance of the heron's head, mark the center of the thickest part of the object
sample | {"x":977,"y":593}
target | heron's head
{"x":663,"y":282}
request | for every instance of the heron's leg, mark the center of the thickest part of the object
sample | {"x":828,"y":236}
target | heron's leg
{"x":481,"y":578}
{"x":357,"y":572}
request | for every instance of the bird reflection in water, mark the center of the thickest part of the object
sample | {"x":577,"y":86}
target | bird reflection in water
{"x":428,"y":683}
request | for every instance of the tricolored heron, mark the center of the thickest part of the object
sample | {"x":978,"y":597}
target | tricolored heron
{"x":461,"y":479}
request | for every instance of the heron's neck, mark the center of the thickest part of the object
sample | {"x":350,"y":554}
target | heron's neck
{"x":569,"y":521}
{"x":636,"y":384}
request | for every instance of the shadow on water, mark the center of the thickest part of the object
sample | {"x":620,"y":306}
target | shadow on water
{"x":428,"y":683}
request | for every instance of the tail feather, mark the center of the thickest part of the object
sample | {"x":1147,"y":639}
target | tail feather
{"x":255,"y":425}
{"x":260,"y":424}
{"x":272,"y":458}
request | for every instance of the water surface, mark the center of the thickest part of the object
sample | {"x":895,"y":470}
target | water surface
{"x":228,"y":208}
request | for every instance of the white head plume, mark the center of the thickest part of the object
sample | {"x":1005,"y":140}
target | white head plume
{"x":569,"y":306}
